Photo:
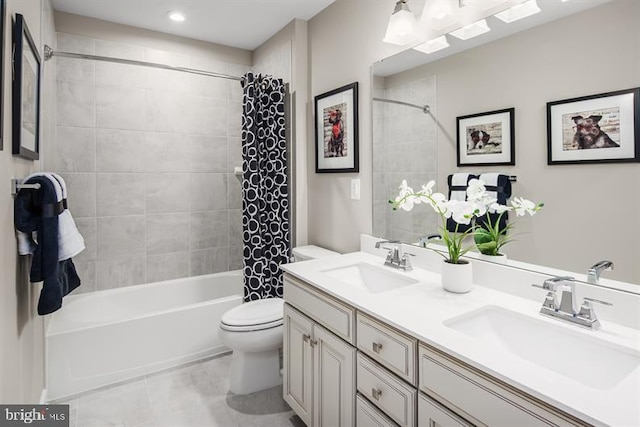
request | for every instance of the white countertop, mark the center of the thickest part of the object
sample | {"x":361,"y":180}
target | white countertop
{"x":420,"y":309}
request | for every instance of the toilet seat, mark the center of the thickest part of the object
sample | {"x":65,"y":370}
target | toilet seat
{"x":254,"y":316}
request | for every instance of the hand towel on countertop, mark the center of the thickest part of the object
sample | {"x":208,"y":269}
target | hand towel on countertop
{"x":458,"y":183}
{"x":499,"y":187}
{"x":38,"y":210}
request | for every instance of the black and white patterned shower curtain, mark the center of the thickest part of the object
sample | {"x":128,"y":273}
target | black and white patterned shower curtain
{"x":265,"y":203}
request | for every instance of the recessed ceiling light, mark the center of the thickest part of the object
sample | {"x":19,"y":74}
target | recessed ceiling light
{"x":176,"y":16}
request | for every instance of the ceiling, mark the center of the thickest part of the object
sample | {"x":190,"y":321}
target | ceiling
{"x":244,"y":24}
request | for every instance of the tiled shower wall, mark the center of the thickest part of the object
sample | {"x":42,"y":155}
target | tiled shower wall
{"x":148,"y":156}
{"x":404,"y":147}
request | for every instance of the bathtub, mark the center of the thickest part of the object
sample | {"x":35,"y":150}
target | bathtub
{"x":109,"y":336}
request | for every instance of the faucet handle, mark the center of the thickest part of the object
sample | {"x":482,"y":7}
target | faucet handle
{"x":598,"y":301}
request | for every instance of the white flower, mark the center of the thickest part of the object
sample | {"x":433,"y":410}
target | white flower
{"x":498,"y":208}
{"x":405,"y":190}
{"x":476,"y":190}
{"x":461,"y":211}
{"x":523,"y":206}
{"x":428,"y":187}
{"x":439,"y":204}
{"x":404,"y":203}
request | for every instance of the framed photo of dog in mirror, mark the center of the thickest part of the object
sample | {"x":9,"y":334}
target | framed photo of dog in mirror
{"x":336,"y":116}
{"x":602,"y":128}
{"x":486,"y":139}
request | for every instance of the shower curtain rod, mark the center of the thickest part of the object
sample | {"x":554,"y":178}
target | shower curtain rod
{"x":49,"y":53}
{"x":425,"y":108}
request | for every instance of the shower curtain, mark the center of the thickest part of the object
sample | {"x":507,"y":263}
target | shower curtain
{"x":265,"y":203}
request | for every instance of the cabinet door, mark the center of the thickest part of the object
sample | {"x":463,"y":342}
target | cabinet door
{"x":432,"y":414}
{"x":334,"y":380}
{"x":297,"y":373}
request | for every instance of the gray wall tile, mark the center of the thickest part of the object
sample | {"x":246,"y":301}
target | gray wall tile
{"x":121,"y":75}
{"x":208,"y":191}
{"x":206,"y":153}
{"x":167,"y":266}
{"x":235,"y":227}
{"x":75,"y":104}
{"x":81,"y":193}
{"x":120,"y":151}
{"x":234,"y":153}
{"x":115,"y":273}
{"x":75,"y":149}
{"x":87,"y":273}
{"x":121,"y":237}
{"x":120,"y":194}
{"x":234,"y":191}
{"x":234,"y":122}
{"x":235,"y":258}
{"x":167,"y":233}
{"x":167,"y":192}
{"x":208,"y":261}
{"x":120,"y":108}
{"x":208,"y":230}
{"x":167,"y":152}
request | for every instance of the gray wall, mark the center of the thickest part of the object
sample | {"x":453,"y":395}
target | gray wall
{"x":148,"y":154}
{"x":21,"y":330}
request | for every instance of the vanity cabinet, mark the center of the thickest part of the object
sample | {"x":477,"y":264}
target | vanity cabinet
{"x":433,"y":414}
{"x":318,"y":366}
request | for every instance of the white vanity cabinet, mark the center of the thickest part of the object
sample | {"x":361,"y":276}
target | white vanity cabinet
{"x":318,"y":366}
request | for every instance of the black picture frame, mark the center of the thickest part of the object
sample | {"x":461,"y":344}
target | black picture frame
{"x":26,"y":92}
{"x":486,"y":139}
{"x":336,"y":142}
{"x":3,"y":12}
{"x":601,"y":128}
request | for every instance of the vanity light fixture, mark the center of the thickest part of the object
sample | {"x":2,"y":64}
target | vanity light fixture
{"x":471,"y":30}
{"x":403,"y":27}
{"x":176,"y":16}
{"x":518,"y":11}
{"x":434,"y":45}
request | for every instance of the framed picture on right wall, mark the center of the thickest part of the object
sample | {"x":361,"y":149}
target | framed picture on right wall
{"x":602,"y":128}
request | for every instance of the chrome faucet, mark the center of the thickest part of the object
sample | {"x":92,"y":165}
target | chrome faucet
{"x":593,"y":274}
{"x":566,"y":307}
{"x":395,"y":257}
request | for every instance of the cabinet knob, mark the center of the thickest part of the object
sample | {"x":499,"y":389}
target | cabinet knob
{"x":377,"y":347}
{"x":376,"y":393}
{"x":306,"y":337}
{"x":313,"y":343}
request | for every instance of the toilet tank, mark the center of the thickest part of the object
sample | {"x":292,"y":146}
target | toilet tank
{"x":302,"y":253}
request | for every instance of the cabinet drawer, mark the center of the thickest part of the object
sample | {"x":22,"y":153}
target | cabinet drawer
{"x":337,"y":317}
{"x":387,"y":392}
{"x":431,"y":413}
{"x":368,"y":415}
{"x":485,"y":400}
{"x":387,"y":346}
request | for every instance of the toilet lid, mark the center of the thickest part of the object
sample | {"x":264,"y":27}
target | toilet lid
{"x":254,"y":315}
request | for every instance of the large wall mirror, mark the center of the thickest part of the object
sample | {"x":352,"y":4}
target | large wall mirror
{"x":591,"y":210}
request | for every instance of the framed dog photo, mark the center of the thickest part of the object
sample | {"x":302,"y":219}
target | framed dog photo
{"x":486,"y":139}
{"x":601,"y":128}
{"x":336,"y":114}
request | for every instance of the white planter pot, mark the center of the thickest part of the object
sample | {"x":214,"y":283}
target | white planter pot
{"x":457,"y":278}
{"x":498,"y":259}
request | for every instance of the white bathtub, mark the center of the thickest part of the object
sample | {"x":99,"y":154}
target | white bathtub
{"x":109,"y":336}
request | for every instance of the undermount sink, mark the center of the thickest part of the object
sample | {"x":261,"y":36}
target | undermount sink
{"x":592,"y":362}
{"x":373,"y":279}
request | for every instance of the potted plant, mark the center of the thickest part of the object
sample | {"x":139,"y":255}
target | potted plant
{"x":490,"y":236}
{"x":456,"y":272}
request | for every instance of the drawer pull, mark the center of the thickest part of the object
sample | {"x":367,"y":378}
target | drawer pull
{"x":376,"y":393}
{"x":313,"y":343}
{"x":306,"y":337}
{"x":377,"y":347}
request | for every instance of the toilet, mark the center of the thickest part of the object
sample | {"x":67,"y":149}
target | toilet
{"x":253,"y":331}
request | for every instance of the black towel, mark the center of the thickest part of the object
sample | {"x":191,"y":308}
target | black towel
{"x":38,"y":210}
{"x":498,"y":186}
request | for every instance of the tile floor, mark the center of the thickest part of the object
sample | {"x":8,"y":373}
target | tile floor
{"x":193,"y":395}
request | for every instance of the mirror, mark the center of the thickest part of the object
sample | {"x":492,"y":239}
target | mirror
{"x":591,"y":209}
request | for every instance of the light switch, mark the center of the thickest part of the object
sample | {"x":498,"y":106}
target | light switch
{"x":355,"y":189}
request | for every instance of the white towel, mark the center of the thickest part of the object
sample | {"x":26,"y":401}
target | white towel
{"x":460,"y":180}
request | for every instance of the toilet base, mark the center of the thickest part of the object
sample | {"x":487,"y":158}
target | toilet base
{"x":254,"y":371}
